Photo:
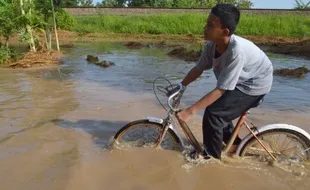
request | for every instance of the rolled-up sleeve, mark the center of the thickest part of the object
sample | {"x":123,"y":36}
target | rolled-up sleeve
{"x":230,"y":74}
{"x":205,"y":60}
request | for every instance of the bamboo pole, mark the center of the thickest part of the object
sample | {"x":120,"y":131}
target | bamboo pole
{"x":55,"y":28}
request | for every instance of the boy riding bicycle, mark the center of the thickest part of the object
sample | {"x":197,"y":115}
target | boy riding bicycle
{"x":244,"y":76}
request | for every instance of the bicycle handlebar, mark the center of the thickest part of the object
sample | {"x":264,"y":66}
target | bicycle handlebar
{"x":181,"y":89}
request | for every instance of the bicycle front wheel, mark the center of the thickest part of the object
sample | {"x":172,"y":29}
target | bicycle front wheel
{"x":286,"y":145}
{"x":143,"y":133}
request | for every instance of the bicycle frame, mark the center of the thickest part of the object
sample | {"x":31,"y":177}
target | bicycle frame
{"x":190,"y":136}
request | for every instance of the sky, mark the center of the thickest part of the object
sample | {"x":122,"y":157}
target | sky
{"x":272,"y":4}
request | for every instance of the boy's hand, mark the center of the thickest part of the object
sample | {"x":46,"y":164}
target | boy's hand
{"x":185,"y":115}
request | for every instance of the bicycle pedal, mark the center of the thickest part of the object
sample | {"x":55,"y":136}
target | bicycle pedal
{"x":195,"y":155}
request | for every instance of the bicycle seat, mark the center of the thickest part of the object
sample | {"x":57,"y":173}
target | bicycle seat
{"x":257,"y":103}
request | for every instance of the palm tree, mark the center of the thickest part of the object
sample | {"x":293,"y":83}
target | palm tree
{"x":299,"y":4}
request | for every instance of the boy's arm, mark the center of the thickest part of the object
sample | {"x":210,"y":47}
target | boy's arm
{"x":192,"y":75}
{"x":204,"y":63}
{"x":202,"y":103}
{"x":206,"y":101}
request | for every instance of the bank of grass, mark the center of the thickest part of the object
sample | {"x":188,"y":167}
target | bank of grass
{"x":258,"y":25}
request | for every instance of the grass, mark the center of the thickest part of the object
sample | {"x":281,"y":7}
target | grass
{"x":289,"y":25}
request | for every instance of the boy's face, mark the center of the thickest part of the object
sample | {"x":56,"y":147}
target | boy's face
{"x":213,"y":29}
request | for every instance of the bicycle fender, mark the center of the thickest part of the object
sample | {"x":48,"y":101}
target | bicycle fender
{"x":155,"y":120}
{"x":264,"y":128}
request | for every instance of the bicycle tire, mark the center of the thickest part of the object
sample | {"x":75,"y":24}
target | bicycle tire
{"x":291,"y":133}
{"x":175,"y":143}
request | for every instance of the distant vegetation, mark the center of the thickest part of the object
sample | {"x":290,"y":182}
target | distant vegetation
{"x":189,"y":23}
{"x":299,"y":4}
{"x":36,"y":21}
{"x":173,"y":3}
{"x":154,"y":3}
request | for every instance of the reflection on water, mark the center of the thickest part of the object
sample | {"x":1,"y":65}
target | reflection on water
{"x":56,"y":124}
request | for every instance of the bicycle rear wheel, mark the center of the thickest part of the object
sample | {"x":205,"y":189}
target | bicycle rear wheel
{"x":287,"y":146}
{"x":143,"y":133}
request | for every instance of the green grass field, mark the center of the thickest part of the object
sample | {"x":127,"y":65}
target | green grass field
{"x":259,"y":25}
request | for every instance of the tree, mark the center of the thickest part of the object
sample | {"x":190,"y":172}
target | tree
{"x":53,"y":17}
{"x":46,"y":10}
{"x":177,"y":3}
{"x":163,"y":3}
{"x":108,"y":3}
{"x":28,"y":18}
{"x":186,"y":4}
{"x":112,"y":3}
{"x":9,"y":20}
{"x":299,"y":4}
{"x":245,"y":4}
{"x":85,"y":3}
{"x":26,"y":10}
{"x":66,"y":3}
{"x":160,"y":3}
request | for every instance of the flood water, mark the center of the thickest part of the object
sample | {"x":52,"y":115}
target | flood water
{"x":56,"y":124}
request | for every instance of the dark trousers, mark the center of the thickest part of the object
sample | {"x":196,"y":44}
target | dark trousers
{"x":217,"y":120}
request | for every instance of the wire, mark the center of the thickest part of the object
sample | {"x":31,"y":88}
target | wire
{"x":162,"y":89}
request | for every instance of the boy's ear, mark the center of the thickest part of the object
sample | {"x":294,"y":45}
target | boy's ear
{"x":226,"y":32}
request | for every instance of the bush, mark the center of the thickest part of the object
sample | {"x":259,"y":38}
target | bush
{"x":5,"y":54}
{"x":64,"y":20}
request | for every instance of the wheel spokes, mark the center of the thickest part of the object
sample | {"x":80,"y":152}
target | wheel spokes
{"x":285,"y":147}
{"x":146,"y":135}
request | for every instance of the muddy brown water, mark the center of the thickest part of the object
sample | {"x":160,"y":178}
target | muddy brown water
{"x":56,"y":124}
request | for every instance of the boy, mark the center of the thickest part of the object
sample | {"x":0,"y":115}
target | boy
{"x":244,"y":76}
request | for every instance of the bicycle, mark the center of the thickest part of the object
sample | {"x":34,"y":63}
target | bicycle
{"x":256,"y":144}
